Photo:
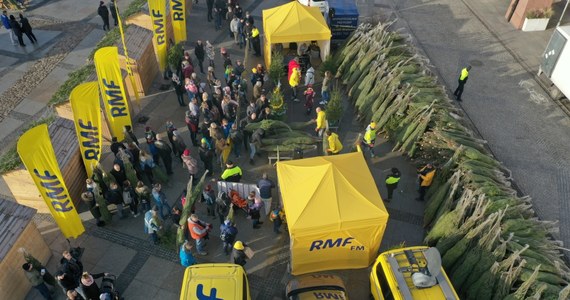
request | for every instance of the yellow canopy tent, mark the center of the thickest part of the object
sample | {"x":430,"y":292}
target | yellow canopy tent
{"x":294,"y":22}
{"x":334,"y":212}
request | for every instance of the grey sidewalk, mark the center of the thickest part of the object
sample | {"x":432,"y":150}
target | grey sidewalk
{"x":67,"y":31}
{"x":148,"y":271}
{"x":525,"y":130}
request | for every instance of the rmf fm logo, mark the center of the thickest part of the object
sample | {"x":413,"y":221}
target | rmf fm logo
{"x":331,"y":243}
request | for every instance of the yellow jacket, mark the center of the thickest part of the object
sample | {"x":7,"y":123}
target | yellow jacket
{"x":335,"y":146}
{"x":295,"y":77}
{"x":254,"y":32}
{"x":427,"y":178}
{"x":464,"y":74}
{"x":321,"y":119}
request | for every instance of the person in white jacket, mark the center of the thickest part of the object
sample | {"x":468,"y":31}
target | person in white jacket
{"x":310,"y":76}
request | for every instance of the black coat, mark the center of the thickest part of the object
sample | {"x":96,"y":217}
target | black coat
{"x":26,"y":27}
{"x":103,"y":11}
{"x":92,"y":292}
{"x":164,"y":151}
{"x":239,"y":257}
{"x":114,"y":196}
{"x":206,"y":155}
{"x":73,"y":268}
{"x":120,"y":176}
{"x":16,"y":28}
{"x":68,"y":282}
{"x":200,"y":52}
{"x":113,"y":10}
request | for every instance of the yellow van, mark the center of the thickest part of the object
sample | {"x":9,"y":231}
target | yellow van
{"x":215,"y":281}
{"x":410,"y":273}
{"x":314,"y":287}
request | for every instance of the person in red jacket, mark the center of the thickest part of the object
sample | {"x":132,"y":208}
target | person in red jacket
{"x":199,"y":232}
{"x":293,"y":64}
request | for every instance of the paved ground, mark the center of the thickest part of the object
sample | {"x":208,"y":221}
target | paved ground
{"x":524,"y":128}
{"x":531,"y":141}
{"x":146,"y":271}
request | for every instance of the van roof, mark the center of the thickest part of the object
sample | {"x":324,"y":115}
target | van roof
{"x":225,"y":280}
{"x":396,"y":265}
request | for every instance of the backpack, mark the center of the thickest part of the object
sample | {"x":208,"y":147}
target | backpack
{"x":225,"y":236}
{"x":127,"y":197}
{"x":274,"y":215}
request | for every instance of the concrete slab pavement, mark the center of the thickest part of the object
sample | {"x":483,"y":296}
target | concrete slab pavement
{"x":524,"y":128}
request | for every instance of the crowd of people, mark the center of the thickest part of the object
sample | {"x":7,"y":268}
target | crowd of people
{"x":74,"y":281}
{"x":17,"y":29}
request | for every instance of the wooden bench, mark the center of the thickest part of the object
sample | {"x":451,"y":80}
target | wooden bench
{"x":280,"y":156}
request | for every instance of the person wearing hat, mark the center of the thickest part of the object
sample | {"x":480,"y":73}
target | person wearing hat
{"x":189,"y":163}
{"x":35,"y":277}
{"x":186,"y":257}
{"x":238,"y":254}
{"x":392,"y":182}
{"x":232,"y":173}
{"x":369,"y":137}
{"x":228,"y":233}
{"x":425,"y":175}
{"x":103,"y":11}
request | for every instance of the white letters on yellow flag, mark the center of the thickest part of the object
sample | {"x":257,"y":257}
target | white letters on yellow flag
{"x":157,"y":9}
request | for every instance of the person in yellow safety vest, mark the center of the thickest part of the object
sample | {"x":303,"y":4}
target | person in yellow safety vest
{"x":462,"y":81}
{"x":370,"y":137}
{"x":335,"y":146}
{"x":256,"y":41}
{"x":232,"y":173}
{"x":321,"y":121}
{"x":426,"y":175}
{"x":392,"y":182}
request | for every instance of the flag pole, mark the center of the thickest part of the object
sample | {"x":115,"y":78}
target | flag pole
{"x":128,"y":60}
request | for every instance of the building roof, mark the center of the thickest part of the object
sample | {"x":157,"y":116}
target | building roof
{"x":137,"y":39}
{"x":14,"y":217}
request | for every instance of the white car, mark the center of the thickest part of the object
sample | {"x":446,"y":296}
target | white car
{"x":321,"y":4}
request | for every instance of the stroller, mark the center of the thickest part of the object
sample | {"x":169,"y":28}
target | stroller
{"x":107,"y":289}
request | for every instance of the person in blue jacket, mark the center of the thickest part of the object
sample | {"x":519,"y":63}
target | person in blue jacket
{"x":186,"y":257}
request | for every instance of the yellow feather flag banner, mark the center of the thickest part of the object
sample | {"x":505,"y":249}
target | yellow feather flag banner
{"x":87,"y":118}
{"x":112,"y":90}
{"x":178,"y":17}
{"x":157,"y":9}
{"x":37,"y":154}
